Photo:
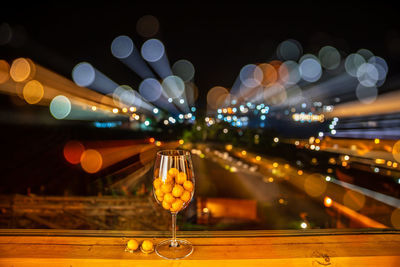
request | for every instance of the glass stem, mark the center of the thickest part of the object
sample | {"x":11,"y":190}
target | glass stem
{"x":173,"y":242}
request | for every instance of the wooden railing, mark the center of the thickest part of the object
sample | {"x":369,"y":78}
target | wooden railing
{"x":220,"y":248}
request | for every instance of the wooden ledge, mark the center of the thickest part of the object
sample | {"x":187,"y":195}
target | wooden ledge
{"x":220,"y":248}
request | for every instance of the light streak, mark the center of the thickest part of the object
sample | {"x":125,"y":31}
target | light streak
{"x":123,"y":48}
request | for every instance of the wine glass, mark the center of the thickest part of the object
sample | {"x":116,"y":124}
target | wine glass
{"x":173,"y":188}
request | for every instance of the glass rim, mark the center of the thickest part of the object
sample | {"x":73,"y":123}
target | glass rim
{"x":173,"y":153}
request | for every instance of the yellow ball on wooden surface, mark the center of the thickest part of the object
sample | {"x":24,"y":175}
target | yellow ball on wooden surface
{"x":132,"y":244}
{"x":147,"y":246}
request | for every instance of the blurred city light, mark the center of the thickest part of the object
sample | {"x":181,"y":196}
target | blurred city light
{"x":147,"y":26}
{"x":123,"y":48}
{"x":153,"y":51}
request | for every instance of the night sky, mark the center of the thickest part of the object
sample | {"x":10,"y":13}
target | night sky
{"x":217,"y":39}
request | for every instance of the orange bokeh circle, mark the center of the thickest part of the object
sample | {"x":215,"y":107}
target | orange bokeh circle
{"x":91,"y":161}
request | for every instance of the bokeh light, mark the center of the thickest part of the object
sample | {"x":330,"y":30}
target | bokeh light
{"x":294,"y":95}
{"x":33,"y":92}
{"x":352,"y":63}
{"x":251,"y":75}
{"x":365,"y":53}
{"x":270,"y":74}
{"x":173,"y":86}
{"x":83,"y":74}
{"x":60,"y":107}
{"x":315,"y":185}
{"x":382,"y":68}
{"x":91,"y":161}
{"x":147,"y":26}
{"x":366,"y":95}
{"x":274,"y":94}
{"x":122,"y":47}
{"x":327,"y":202}
{"x":150,"y":89}
{"x":124,"y":95}
{"x":4,"y":71}
{"x":329,"y":57}
{"x":73,"y":151}
{"x":396,"y":151}
{"x":367,"y":75}
{"x":215,"y":93}
{"x":289,"y":50}
{"x":310,"y":68}
{"x":184,"y":69}
{"x":152,"y":50}
{"x":191,"y":92}
{"x":22,"y":69}
{"x":223,"y":100}
{"x":289,"y":72}
{"x":354,"y":200}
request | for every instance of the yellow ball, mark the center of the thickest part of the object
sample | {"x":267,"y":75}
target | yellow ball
{"x":173,"y":172}
{"x":159,"y":194}
{"x":166,"y":205}
{"x":147,"y":245}
{"x":169,"y":198}
{"x":169,"y":179}
{"x":132,"y":244}
{"x":177,"y":191}
{"x":188,"y":185}
{"x":177,"y":205}
{"x":157,"y":183}
{"x":186,"y":196}
{"x":166,"y":188}
{"x":181,"y":178}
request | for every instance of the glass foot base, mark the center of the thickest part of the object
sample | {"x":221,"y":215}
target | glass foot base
{"x":166,"y":250}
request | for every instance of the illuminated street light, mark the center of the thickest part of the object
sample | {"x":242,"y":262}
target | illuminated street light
{"x":327,"y":202}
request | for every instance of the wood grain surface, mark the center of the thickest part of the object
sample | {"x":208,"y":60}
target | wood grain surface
{"x":241,"y":248}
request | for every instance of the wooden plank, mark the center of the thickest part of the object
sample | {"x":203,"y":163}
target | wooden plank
{"x":376,"y":249}
{"x":225,"y":233}
{"x":338,"y":261}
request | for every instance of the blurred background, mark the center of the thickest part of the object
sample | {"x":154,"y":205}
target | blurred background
{"x":291,"y":113}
